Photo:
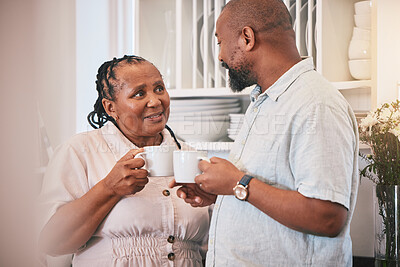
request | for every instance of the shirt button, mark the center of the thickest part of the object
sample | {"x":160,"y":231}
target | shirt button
{"x":166,"y":192}
{"x":243,"y":142}
{"x":171,"y":239}
{"x":171,"y":256}
{"x":255,"y":110}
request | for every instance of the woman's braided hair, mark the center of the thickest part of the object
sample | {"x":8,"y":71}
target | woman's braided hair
{"x":106,"y":89}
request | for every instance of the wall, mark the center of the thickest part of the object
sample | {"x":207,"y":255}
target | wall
{"x":55,"y":60}
{"x":92,"y":48}
{"x":388,"y":52}
{"x":103,"y":31}
{"x":362,"y":224}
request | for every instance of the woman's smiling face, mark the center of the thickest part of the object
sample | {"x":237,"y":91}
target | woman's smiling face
{"x":141,"y":102}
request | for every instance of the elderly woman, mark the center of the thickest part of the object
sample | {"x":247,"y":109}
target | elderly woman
{"x":100,"y":203}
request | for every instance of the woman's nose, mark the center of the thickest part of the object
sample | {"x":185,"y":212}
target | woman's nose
{"x":153,"y":101}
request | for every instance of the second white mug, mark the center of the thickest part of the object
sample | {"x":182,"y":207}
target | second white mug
{"x":186,"y":165}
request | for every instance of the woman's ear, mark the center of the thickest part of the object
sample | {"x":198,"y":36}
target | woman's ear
{"x":248,"y":37}
{"x":109,"y":107}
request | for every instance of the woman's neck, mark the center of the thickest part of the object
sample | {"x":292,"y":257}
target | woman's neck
{"x":147,"y":141}
{"x":142,"y":141}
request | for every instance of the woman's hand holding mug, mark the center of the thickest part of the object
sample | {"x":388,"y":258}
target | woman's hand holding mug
{"x":127,"y":177}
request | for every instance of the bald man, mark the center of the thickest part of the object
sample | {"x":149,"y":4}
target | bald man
{"x":287,"y":194}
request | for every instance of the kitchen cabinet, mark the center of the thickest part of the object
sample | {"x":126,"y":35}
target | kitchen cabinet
{"x":179,"y":26}
{"x":171,"y":34}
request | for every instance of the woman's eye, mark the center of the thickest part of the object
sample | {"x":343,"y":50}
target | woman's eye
{"x":139,"y":94}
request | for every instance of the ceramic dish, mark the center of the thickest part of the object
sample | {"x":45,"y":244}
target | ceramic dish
{"x":211,"y":47}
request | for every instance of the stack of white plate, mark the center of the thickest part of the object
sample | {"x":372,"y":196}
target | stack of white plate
{"x":202,"y":119}
{"x":236,"y":122}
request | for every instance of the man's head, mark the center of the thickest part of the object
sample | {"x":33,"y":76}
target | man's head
{"x":248,"y":30}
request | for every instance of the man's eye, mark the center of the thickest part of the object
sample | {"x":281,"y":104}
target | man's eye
{"x":159,"y":89}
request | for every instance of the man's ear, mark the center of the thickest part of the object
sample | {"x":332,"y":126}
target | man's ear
{"x":109,"y":107}
{"x":248,"y":37}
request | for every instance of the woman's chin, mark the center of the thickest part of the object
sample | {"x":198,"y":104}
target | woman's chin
{"x":156,"y":128}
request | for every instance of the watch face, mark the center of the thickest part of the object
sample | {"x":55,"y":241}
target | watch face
{"x":240,"y":192}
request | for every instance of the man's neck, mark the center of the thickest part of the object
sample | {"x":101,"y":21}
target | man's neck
{"x":270,"y":71}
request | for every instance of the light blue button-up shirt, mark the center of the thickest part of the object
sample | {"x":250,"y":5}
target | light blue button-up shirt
{"x":300,"y":134}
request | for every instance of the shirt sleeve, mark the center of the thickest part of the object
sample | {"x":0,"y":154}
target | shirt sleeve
{"x":322,"y":152}
{"x":65,"y":180}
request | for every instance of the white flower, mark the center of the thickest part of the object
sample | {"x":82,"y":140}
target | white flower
{"x":385,"y":115}
{"x":396,"y":115}
{"x":396,"y":131}
{"x":368,"y":122}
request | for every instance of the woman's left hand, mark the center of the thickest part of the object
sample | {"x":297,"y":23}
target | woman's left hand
{"x":193,"y":194}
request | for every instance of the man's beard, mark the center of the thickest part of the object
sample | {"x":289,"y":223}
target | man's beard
{"x":240,"y":77}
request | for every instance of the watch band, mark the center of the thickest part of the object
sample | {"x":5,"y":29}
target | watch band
{"x":245,"y":180}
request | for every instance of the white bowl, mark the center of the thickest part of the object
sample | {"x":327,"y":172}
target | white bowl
{"x":359,"y":49}
{"x":200,"y":131}
{"x":363,"y":21}
{"x":236,"y":115}
{"x":361,"y":34}
{"x":363,"y":7}
{"x":360,"y":69}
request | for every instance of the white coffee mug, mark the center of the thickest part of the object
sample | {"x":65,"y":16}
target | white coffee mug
{"x":159,"y":160}
{"x":186,"y":165}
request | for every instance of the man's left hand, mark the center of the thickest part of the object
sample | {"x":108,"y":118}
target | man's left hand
{"x":219,"y":176}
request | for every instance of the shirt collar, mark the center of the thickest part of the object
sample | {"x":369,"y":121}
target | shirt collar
{"x":283,"y":83}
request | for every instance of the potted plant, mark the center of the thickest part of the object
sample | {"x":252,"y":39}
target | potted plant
{"x":381,"y":131}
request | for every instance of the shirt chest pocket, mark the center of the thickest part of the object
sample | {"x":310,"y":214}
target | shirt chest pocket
{"x":259,"y":158}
